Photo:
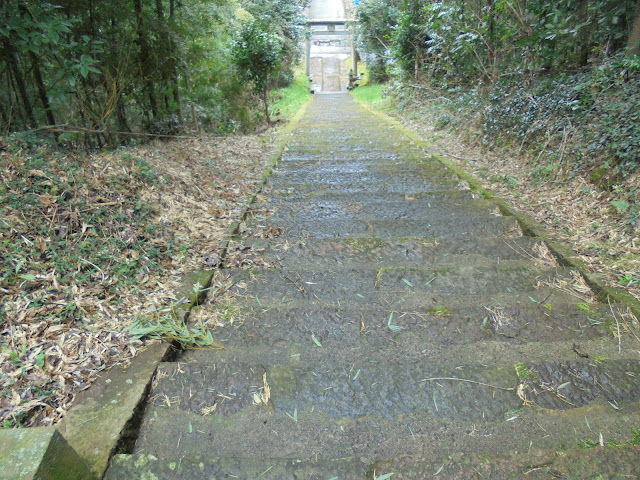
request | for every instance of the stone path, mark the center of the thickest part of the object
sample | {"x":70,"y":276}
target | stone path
{"x":401,"y":326}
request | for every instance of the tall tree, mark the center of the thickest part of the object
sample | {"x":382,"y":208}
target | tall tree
{"x":145,"y":58}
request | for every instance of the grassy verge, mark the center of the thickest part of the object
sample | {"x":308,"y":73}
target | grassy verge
{"x":287,"y":101}
{"x":371,"y":94}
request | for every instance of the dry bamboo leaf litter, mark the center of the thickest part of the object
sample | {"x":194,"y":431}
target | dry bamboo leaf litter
{"x":59,"y":329}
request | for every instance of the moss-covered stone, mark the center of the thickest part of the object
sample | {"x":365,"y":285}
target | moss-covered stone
{"x":194,"y":285}
{"x":105,"y":417}
{"x":39,"y":453}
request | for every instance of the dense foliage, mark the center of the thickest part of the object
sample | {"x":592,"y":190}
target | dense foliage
{"x":269,"y":45}
{"x":132,"y":65}
{"x":533,"y":73}
{"x":461,"y":42}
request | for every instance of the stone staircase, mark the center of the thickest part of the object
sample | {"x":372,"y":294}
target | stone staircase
{"x":389,"y":323}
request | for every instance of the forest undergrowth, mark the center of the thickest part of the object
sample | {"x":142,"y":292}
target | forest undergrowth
{"x":93,"y":242}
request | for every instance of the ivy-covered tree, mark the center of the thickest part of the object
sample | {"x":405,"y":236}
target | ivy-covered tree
{"x":410,"y":38}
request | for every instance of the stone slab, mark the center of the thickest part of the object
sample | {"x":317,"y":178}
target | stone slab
{"x":39,"y":454}
{"x":130,"y":467}
{"x":103,"y":418}
{"x":305,"y":434}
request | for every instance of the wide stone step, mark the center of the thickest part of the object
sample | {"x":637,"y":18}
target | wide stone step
{"x":207,"y":467}
{"x":362,"y":161}
{"x":451,"y":228}
{"x":358,"y":155}
{"x":454,"y":198}
{"x":383,"y":252}
{"x":304,"y":184}
{"x":401,"y":328}
{"x":345,"y":284}
{"x":376,"y":176}
{"x":350,"y":142}
{"x":574,"y":463}
{"x":345,"y":384}
{"x":366,"y":207}
{"x":313,"y":434}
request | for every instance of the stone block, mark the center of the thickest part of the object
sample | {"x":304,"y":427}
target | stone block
{"x":39,"y":453}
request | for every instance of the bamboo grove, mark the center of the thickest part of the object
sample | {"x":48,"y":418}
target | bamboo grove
{"x":94,"y":71}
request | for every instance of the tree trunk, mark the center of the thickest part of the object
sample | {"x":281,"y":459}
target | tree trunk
{"x":92,"y":20}
{"x":5,"y":119}
{"x":583,"y":37}
{"x":174,"y":70}
{"x":14,"y":102}
{"x":494,"y":65}
{"x":265,"y":99}
{"x":12,"y":59}
{"x":144,"y":59}
{"x":37,"y":74}
{"x":121,"y":114}
{"x":42,"y":91}
{"x":159,"y":10}
{"x":166,"y":42}
{"x":634,"y":37}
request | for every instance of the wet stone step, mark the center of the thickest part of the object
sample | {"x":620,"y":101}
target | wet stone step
{"x":357,"y":154}
{"x":364,"y":161}
{"x":333,"y":168}
{"x":454,"y":198}
{"x":264,"y":432}
{"x":344,"y":383}
{"x":339,"y":390}
{"x":370,"y":207}
{"x":305,"y":184}
{"x":421,"y":251}
{"x":450,"y":228}
{"x":368,"y":284}
{"x":348,"y":141}
{"x":207,"y":467}
{"x":575,"y":463}
{"x":336,"y":172}
{"x":618,"y":462}
{"x":340,"y":210}
{"x":516,"y":357}
{"x":356,"y":151}
{"x":407,"y":299}
{"x":416,"y":331}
